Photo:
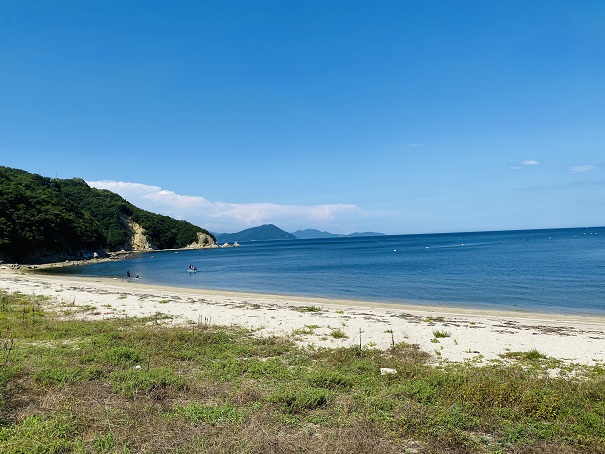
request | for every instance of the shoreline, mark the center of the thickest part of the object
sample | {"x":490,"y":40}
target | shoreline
{"x":471,"y":334}
{"x":452,"y":308}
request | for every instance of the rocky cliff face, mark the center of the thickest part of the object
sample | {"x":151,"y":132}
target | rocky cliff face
{"x":203,"y":240}
{"x":43,"y":256}
{"x":138,"y":240}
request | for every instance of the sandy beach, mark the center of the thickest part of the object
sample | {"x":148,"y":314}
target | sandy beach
{"x":468,"y":334}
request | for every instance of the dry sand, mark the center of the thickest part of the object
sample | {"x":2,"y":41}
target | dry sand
{"x":473,"y":335}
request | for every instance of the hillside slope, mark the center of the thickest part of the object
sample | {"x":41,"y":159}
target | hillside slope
{"x":44,"y":220}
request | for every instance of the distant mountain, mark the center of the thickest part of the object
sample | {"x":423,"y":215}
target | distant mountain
{"x":308,"y":234}
{"x":365,"y":234}
{"x":269,"y":232}
{"x":262,"y":233}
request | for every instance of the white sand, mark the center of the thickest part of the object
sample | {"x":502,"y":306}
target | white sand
{"x":478,"y":335}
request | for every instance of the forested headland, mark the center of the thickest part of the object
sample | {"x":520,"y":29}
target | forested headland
{"x":50,"y":219}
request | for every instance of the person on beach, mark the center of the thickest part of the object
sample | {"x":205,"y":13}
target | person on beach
{"x":128,"y":274}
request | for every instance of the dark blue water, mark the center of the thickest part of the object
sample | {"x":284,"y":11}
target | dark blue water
{"x":560,"y":270}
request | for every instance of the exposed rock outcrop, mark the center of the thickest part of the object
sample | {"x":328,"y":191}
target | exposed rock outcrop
{"x":203,"y":240}
{"x":43,"y":256}
{"x":138,"y":240}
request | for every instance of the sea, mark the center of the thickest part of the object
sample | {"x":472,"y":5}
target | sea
{"x":552,"y":271}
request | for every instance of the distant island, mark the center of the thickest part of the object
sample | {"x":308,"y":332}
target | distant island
{"x":308,"y":234}
{"x":264,"y":232}
{"x":270,"y":232}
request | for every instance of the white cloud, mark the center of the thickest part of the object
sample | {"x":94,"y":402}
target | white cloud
{"x":232,"y":217}
{"x":581,"y":169}
{"x":524,"y":164}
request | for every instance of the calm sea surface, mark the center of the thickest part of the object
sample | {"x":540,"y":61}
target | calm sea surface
{"x":560,"y":270}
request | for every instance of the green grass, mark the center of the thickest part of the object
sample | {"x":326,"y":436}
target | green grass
{"x":136,"y":385}
{"x":338,"y":334}
{"x":306,"y":330}
{"x":531,"y":355}
{"x":433,"y":319}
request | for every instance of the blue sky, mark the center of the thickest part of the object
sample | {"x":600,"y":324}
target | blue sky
{"x":391,"y":116}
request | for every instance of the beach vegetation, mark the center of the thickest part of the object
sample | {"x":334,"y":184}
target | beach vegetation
{"x":433,"y":319}
{"x":104,"y":443}
{"x":310,"y":308}
{"x":531,"y":355}
{"x":306,"y":330}
{"x":441,"y":334}
{"x":338,"y":334}
{"x":198,"y":413}
{"x":130,"y":385}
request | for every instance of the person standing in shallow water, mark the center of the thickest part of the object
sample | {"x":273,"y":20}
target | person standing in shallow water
{"x":128,"y":274}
